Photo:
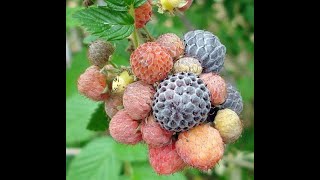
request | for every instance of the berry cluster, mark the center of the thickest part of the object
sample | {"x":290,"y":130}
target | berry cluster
{"x":167,"y":98}
{"x":172,"y":96}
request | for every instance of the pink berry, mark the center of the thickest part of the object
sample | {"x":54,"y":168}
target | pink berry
{"x":165,"y":160}
{"x":124,"y":129}
{"x":92,"y":83}
{"x":137,"y":99}
{"x":153,"y":134}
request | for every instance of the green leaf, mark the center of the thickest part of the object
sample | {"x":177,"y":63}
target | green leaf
{"x":193,"y":171}
{"x":106,"y":23}
{"x":117,"y":5}
{"x":123,"y":177}
{"x":89,"y":39}
{"x":78,"y":113}
{"x":138,"y":3}
{"x":130,"y":153}
{"x":143,"y":171}
{"x":249,"y":14}
{"x":99,"y":120}
{"x":79,"y":63}
{"x":68,"y":162}
{"x":96,"y":161}
{"x":124,"y":4}
{"x":128,"y":2}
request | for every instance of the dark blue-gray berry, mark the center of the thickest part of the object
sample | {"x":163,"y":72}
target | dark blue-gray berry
{"x":182,"y":101}
{"x":205,"y":47}
{"x":233,"y":100}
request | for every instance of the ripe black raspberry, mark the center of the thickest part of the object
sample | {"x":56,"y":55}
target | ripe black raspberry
{"x":207,"y":48}
{"x":181,"y":102}
{"x":233,"y":100}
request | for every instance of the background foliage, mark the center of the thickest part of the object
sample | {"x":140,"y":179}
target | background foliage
{"x":100,"y":156}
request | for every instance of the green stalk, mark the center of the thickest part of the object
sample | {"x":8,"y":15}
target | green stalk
{"x":134,"y":34}
{"x":148,"y":34}
{"x":241,"y":163}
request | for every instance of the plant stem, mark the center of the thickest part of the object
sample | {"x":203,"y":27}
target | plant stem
{"x":148,"y":34}
{"x":113,"y":64}
{"x":241,"y":163}
{"x":135,"y":38}
{"x":185,"y":21}
{"x":134,"y":34}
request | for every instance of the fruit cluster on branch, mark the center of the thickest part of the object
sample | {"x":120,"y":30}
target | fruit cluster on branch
{"x":172,"y":97}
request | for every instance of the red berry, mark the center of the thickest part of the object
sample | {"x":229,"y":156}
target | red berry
{"x":137,"y":99}
{"x":165,"y":160}
{"x":124,"y":129}
{"x":153,"y":134}
{"x":142,"y":14}
{"x":92,"y":83}
{"x":172,"y":43}
{"x":217,"y":87}
{"x":150,"y":62}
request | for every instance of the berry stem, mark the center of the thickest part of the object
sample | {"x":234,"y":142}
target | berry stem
{"x":135,"y":38}
{"x":185,"y":20}
{"x":148,"y":34}
{"x":113,"y":64}
{"x":134,"y":34}
{"x":104,"y":71}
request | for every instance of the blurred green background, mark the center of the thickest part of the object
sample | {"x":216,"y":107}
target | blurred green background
{"x":233,"y":23}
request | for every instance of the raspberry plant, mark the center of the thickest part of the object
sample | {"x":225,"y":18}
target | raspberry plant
{"x":152,"y":62}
